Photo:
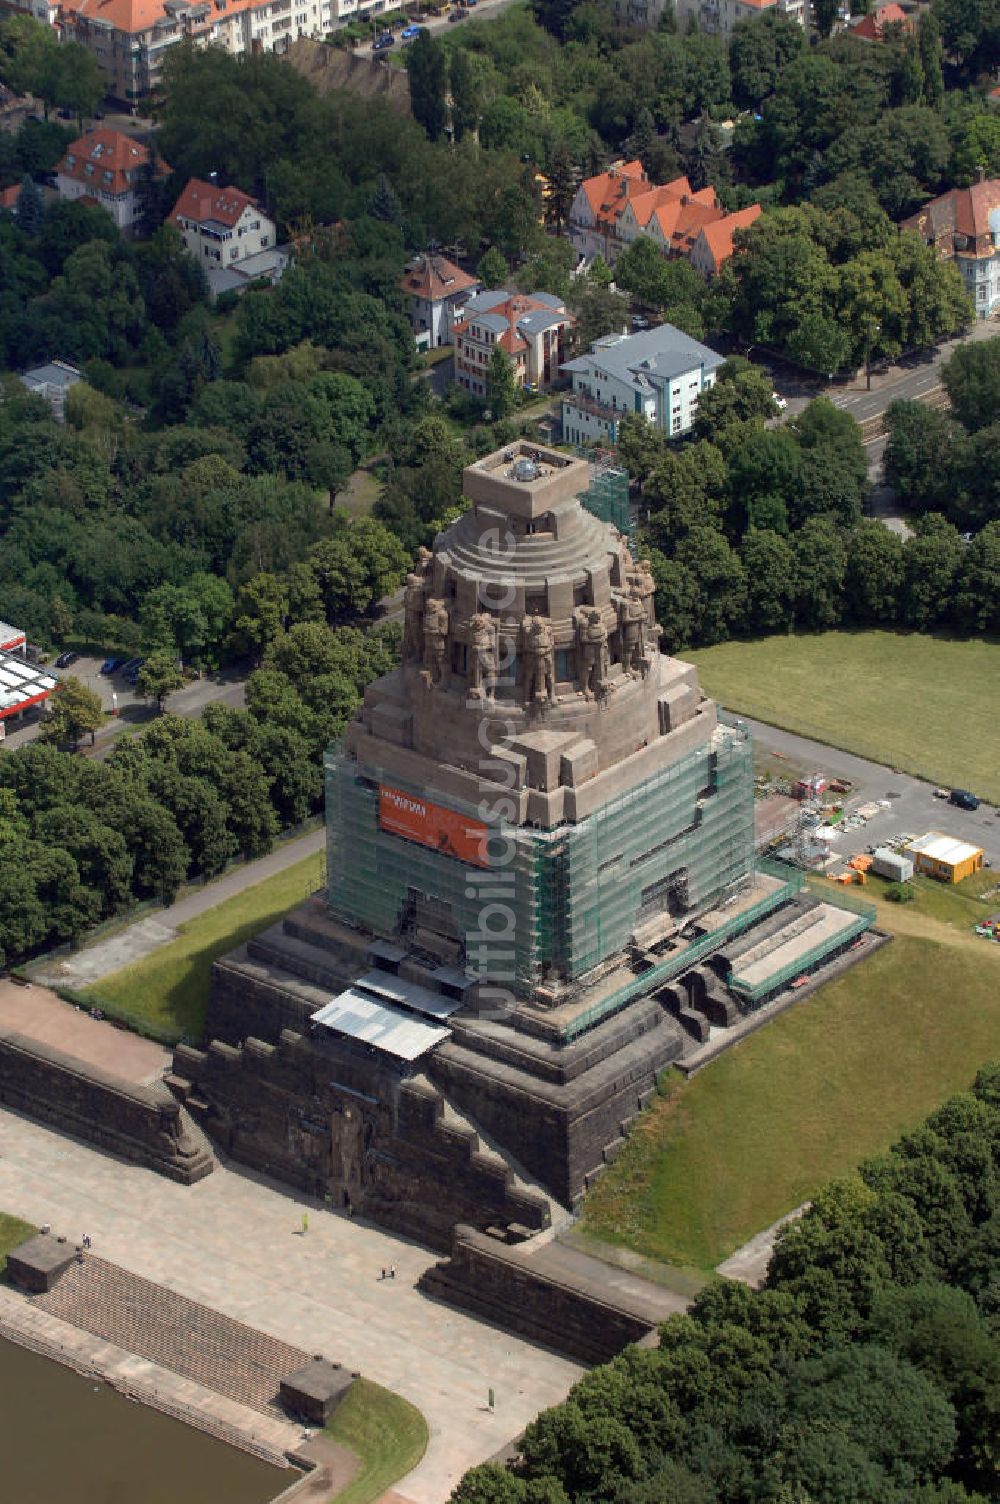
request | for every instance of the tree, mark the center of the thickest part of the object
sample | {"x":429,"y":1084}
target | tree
{"x":873,"y":577}
{"x":769,"y":566}
{"x":930,"y":563}
{"x":82,"y":83}
{"x":971,"y":377}
{"x":501,"y":384}
{"x":72,"y":710}
{"x":564,"y":179}
{"x":824,"y":14}
{"x":159,"y":676}
{"x":740,"y":394}
{"x":29,"y":211}
{"x":492,"y":270}
{"x":759,"y":50}
{"x":820,"y":562}
{"x":427,"y":66}
{"x":931,"y":57}
{"x":464,"y":95}
{"x":384,"y":203}
{"x":924,"y":447}
{"x":977,"y":601}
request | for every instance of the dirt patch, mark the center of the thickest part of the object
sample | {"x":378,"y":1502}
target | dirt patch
{"x":39,"y":1014}
{"x":328,"y":68}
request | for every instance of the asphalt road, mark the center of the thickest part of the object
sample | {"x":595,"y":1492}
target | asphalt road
{"x":485,"y":10}
{"x":913,"y":807}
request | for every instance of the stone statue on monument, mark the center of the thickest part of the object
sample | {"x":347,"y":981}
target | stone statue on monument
{"x":482,"y":657}
{"x":632,"y":622}
{"x":413,"y":619}
{"x":538,"y":650}
{"x":592,"y":647}
{"x":435,"y":640}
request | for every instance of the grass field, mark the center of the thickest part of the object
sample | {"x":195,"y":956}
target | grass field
{"x":170,"y":987}
{"x":386,"y":1432}
{"x":12,"y":1232}
{"x":719,"y":1157}
{"x":928,"y":705}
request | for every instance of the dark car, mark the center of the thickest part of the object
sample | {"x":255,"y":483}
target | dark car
{"x":131,"y":671}
{"x":385,"y":40}
{"x":111,"y":665}
{"x":456,"y":15}
{"x":65,"y":659}
{"x":963,"y":799}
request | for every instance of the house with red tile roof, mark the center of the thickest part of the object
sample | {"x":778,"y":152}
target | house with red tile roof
{"x":964,"y":226}
{"x":872,"y":28}
{"x":221,"y":226}
{"x":598,"y":207}
{"x":714,"y":243}
{"x":108,"y":169}
{"x":615,"y":208}
{"x":436,"y":291}
{"x":530,"y":327}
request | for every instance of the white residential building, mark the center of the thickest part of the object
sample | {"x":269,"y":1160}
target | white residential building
{"x":719,"y":16}
{"x":108,"y":168}
{"x":659,"y":374}
{"x":436,"y":292}
{"x":964,"y":226}
{"x":220,"y":226}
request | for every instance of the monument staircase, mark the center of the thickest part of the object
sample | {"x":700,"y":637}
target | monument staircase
{"x":194,"y":1341}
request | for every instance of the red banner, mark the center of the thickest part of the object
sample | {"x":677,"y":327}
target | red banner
{"x":432,"y":825}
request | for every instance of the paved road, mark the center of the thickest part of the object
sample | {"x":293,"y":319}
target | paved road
{"x":913,"y":807}
{"x":83,"y":967}
{"x":913,"y":378}
{"x":486,"y":10}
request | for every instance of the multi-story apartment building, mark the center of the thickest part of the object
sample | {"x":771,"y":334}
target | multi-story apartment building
{"x":711,"y":15}
{"x":659,"y":374}
{"x":130,"y":38}
{"x":530,"y":328}
{"x":107,"y":167}
{"x":614,"y":208}
{"x":964,"y":226}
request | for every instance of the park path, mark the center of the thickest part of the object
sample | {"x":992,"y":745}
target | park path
{"x":136,"y":941}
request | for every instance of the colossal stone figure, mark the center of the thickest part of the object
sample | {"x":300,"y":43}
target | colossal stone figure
{"x":435,"y":640}
{"x":538,"y":649}
{"x":413,"y":619}
{"x":632,"y":620}
{"x":592,"y":643}
{"x":641,"y":579}
{"x":482,"y":657}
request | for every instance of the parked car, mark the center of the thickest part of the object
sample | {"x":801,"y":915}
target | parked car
{"x":65,"y":659}
{"x":111,"y":666}
{"x":638,"y":322}
{"x":963,"y":799}
{"x":384,"y":41}
{"x":780,"y":402}
{"x":456,"y":15}
{"x":132,"y":670}
{"x":410,"y":33}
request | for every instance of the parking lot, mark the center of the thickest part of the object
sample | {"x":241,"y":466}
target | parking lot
{"x":226,"y":687}
{"x":905,"y":806}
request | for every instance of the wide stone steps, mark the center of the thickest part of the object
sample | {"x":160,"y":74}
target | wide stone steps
{"x":191,"y":1339}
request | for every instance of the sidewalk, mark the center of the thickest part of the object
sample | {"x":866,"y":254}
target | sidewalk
{"x":126,"y":946}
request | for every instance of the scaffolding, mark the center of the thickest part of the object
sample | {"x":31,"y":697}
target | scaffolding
{"x":676,"y":844}
{"x":608,"y":496}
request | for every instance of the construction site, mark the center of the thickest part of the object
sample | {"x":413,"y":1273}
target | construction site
{"x":543,"y":888}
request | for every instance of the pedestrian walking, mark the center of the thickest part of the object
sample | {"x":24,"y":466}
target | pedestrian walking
{"x":85,"y":1240}
{"x":382,"y":1275}
{"x":392,"y":1272}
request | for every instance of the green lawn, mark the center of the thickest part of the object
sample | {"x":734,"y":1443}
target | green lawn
{"x":170,"y":988}
{"x":928,"y":705}
{"x":12,"y":1232}
{"x":386,"y":1432}
{"x":837,"y":1077}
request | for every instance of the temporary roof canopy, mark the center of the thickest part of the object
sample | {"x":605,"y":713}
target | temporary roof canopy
{"x":360,"y":1016}
{"x":22,"y":684}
